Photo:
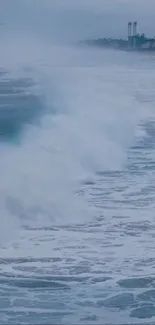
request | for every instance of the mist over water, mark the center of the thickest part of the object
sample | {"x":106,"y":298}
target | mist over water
{"x":64,"y":127}
{"x":76,"y":170}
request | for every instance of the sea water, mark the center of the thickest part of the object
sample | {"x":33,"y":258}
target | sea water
{"x":77,"y":193}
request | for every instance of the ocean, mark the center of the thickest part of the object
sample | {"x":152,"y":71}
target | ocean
{"x":77,"y":191}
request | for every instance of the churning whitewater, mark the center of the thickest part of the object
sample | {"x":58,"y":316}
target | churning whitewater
{"x":77,"y":171}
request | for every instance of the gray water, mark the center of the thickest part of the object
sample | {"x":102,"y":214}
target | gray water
{"x":77,"y":171}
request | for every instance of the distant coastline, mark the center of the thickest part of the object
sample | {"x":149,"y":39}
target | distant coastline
{"x":134,"y":41}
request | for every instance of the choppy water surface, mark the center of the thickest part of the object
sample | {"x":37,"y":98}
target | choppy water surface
{"x":77,"y":193}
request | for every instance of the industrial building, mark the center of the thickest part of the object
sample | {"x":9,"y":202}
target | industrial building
{"x":137,"y":41}
{"x":134,"y":41}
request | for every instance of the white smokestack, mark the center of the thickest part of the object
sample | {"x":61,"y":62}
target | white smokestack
{"x":134,"y":28}
{"x":129,"y":29}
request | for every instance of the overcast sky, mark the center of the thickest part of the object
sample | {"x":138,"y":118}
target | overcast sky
{"x":76,"y":19}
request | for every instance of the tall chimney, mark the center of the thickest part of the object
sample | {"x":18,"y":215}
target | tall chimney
{"x":134,"y":33}
{"x":135,"y":28}
{"x":129,"y":29}
{"x":129,"y":34}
